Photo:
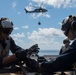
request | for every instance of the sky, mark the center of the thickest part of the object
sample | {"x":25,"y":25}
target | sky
{"x":27,"y":32}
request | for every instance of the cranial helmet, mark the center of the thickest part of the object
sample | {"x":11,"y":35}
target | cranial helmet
{"x":69,"y":23}
{"x":6,"y":26}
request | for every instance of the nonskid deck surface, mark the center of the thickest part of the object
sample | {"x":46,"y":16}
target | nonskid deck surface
{"x":48,"y":57}
{"x":67,"y":73}
{"x":12,"y":74}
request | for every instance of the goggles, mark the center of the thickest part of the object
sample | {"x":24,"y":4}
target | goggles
{"x":7,"y":31}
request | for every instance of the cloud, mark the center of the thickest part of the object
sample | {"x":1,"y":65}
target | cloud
{"x":19,"y":13}
{"x":18,"y":35}
{"x":58,"y":3}
{"x":19,"y":39}
{"x":46,"y":15}
{"x":47,"y":38}
{"x":45,"y":32}
{"x":40,"y":14}
{"x":29,"y":7}
{"x":26,"y":27}
{"x":16,"y":28}
{"x":14,"y":4}
{"x":20,"y":42}
{"x":69,"y":3}
{"x":36,"y":15}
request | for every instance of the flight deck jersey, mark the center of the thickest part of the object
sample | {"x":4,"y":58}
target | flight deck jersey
{"x":4,"y":47}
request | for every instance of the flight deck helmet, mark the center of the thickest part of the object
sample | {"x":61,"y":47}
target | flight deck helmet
{"x":69,"y":23}
{"x":6,"y":26}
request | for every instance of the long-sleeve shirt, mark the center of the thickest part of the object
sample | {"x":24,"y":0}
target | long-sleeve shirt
{"x":63,"y":62}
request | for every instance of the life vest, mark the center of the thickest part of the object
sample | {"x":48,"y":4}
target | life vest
{"x":4,"y":51}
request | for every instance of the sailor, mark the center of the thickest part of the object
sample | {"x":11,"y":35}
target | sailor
{"x":7,"y":43}
{"x":67,"y":59}
{"x":66,"y":45}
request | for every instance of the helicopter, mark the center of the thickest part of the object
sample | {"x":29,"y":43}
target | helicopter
{"x":38,"y":10}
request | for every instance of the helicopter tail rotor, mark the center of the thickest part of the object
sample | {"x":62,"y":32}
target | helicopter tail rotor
{"x":26,"y":10}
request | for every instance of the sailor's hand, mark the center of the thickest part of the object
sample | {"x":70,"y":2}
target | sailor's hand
{"x":21,"y":55}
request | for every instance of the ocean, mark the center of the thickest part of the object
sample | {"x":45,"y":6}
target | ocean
{"x":47,"y":52}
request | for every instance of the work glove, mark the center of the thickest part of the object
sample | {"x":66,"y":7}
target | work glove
{"x":21,"y":55}
{"x":32,"y":50}
{"x":34,"y":65}
{"x":24,"y":54}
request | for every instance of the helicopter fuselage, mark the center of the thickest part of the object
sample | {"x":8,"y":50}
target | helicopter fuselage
{"x":40,"y":10}
{"x":36,"y":10}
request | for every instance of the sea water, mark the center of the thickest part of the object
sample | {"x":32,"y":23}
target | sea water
{"x":46,"y":52}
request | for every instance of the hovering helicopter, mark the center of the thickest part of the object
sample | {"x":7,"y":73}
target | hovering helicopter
{"x":42,"y":10}
{"x":37,"y":10}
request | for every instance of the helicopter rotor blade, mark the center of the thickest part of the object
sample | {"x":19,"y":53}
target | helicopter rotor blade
{"x":34,"y":6}
{"x":41,"y":4}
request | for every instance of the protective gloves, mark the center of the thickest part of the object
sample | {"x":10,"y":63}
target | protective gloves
{"x":24,"y":54}
{"x":21,"y":55}
{"x":33,"y":49}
